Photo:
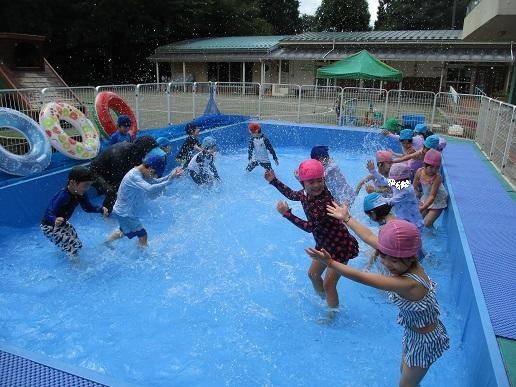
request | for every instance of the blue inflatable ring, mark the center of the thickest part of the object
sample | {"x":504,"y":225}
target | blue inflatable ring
{"x":40,"y":153}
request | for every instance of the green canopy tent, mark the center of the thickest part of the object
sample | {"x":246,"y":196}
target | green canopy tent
{"x":361,"y":65}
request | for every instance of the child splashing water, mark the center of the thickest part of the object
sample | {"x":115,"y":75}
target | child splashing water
{"x":379,"y":178}
{"x":329,"y":233}
{"x":425,"y":338}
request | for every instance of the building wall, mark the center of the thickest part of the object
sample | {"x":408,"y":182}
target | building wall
{"x":301,"y":72}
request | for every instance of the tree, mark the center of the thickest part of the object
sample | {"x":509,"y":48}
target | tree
{"x":419,"y":15}
{"x":343,"y":15}
{"x":307,"y":23}
{"x":283,"y":15}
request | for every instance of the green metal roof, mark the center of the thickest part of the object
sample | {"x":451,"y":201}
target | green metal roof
{"x":226,"y":43}
{"x":372,"y":36}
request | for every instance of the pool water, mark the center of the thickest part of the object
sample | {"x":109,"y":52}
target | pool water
{"x":220,"y":296}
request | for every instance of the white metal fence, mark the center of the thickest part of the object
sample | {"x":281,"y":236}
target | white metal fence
{"x":489,"y":122}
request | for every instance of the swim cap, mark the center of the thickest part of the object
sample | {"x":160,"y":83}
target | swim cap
{"x":399,"y":239}
{"x":432,"y":142}
{"x":391,"y":124}
{"x":310,"y":169}
{"x":157,"y":151}
{"x":319,"y":151}
{"x":399,"y":171}
{"x":433,"y":157}
{"x":372,"y":201}
{"x":123,"y":120}
{"x":254,"y":127}
{"x":190,"y":128}
{"x":383,"y":156}
{"x":209,"y":142}
{"x":442,"y":144}
{"x":156,"y":162}
{"x":420,"y":128}
{"x":80,"y":173}
{"x":406,"y":134}
{"x":163,"y":141}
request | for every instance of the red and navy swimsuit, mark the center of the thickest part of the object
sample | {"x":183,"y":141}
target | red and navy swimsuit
{"x":329,"y":233}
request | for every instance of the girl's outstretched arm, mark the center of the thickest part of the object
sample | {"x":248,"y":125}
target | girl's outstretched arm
{"x":408,"y":157}
{"x":396,"y":284}
{"x":362,"y":231}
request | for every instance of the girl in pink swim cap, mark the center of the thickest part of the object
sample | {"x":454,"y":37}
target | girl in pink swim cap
{"x":425,"y":338}
{"x":429,"y":188}
{"x":378,"y":178}
{"x":329,"y":233}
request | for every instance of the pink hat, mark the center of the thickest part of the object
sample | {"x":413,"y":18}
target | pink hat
{"x":400,"y":171}
{"x":383,"y":156}
{"x":310,"y":169}
{"x":399,"y":239}
{"x":432,"y":157}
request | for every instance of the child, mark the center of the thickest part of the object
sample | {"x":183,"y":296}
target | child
{"x":258,"y":147}
{"x":55,"y":225}
{"x":122,"y":134}
{"x":430,"y":189}
{"x":165,"y":144}
{"x":425,"y":338}
{"x":333,"y":177}
{"x":391,"y":125}
{"x":404,"y":200}
{"x":409,"y":142}
{"x":431,"y":142}
{"x":190,"y":145}
{"x":202,"y":167}
{"x":328,"y":233}
{"x":379,"y":211}
{"x":380,"y":183}
{"x":141,"y":181}
{"x":422,"y":131}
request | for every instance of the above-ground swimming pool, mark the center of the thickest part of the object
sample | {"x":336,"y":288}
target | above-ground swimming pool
{"x":221,"y":295}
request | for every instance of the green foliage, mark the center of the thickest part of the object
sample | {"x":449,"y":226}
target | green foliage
{"x":307,"y":23}
{"x":108,"y":41}
{"x":282,"y":15}
{"x":420,"y":15}
{"x":343,"y":15}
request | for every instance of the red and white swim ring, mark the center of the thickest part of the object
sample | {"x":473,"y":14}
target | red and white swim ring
{"x":106,"y":100}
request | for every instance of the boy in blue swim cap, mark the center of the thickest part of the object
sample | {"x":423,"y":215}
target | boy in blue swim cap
{"x":122,"y":134}
{"x":138,"y":184}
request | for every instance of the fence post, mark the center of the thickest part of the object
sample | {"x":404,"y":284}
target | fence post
{"x":508,"y":142}
{"x":386,"y":107}
{"x":169,"y":108}
{"x":194,"y":97}
{"x":341,"y":104}
{"x":260,"y":95}
{"x":433,"y":110}
{"x":137,"y":103}
{"x":487,"y":117}
{"x":495,"y":131}
{"x":299,"y":104}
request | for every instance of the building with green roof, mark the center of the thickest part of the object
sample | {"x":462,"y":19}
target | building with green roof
{"x":429,"y":60}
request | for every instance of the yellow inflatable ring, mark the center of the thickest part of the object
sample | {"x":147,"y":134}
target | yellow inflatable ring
{"x":49,"y":118}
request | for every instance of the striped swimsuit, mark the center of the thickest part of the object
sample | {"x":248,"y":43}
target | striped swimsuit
{"x":421,"y":349}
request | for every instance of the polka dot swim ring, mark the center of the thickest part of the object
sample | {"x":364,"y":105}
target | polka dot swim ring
{"x":49,"y":118}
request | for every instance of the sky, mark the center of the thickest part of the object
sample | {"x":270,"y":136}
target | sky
{"x":310,"y":6}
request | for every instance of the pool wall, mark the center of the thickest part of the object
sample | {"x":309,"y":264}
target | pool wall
{"x":25,"y":202}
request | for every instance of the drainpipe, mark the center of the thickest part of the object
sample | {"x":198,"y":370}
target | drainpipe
{"x":512,"y":93}
{"x":333,"y":48}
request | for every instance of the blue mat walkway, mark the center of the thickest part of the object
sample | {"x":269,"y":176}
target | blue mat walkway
{"x":488,"y":214}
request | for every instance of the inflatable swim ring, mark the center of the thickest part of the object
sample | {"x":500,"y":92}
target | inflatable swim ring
{"x":106,"y":100}
{"x":40,"y":153}
{"x":49,"y":118}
